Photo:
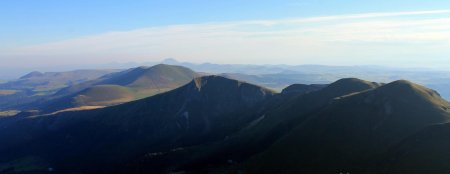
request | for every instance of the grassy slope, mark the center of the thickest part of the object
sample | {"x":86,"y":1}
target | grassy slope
{"x":123,"y":87}
{"x":51,"y":81}
{"x":104,"y":95}
{"x":35,"y":87}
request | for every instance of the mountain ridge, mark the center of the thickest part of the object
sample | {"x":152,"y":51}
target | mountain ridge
{"x":350,"y":138}
{"x":182,"y":117}
{"x":214,"y":124}
{"x":124,"y":86}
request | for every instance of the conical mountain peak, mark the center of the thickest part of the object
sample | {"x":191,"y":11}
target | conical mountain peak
{"x":32,"y":74}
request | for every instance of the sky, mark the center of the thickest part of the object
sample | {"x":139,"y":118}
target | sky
{"x":50,"y":33}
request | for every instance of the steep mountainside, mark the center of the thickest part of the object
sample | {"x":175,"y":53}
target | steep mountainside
{"x":274,"y":119}
{"x":349,"y":126}
{"x":352,"y":132}
{"x":218,"y":125}
{"x":205,"y":110}
{"x":424,"y":152}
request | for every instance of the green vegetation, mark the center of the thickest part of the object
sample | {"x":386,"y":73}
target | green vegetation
{"x":121,"y":87}
{"x":103,"y":95}
{"x":52,"y":81}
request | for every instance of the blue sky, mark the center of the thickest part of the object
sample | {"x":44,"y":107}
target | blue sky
{"x":65,"y":32}
{"x":31,"y":21}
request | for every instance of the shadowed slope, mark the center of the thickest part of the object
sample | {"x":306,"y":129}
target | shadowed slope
{"x":424,"y":152}
{"x":354,"y":130}
{"x":204,"y":110}
{"x":275,"y":118}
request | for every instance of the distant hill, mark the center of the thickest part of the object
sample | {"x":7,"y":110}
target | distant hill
{"x":202,"y":111}
{"x":35,"y":86}
{"x":120,"y":87}
{"x":34,"y":74}
{"x":280,"y":76}
{"x":51,"y":81}
{"x":280,"y":81}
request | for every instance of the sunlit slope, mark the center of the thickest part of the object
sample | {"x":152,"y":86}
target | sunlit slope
{"x":121,"y":87}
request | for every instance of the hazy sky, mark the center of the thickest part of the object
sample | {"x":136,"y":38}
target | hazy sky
{"x":334,"y":32}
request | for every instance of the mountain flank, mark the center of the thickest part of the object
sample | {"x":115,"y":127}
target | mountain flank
{"x":206,"y":109}
{"x":120,"y":87}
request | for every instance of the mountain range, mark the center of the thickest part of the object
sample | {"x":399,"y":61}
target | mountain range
{"x":280,"y":76}
{"x":28,"y":91}
{"x":37,"y":85}
{"x":215,"y":124}
{"x":120,"y":87}
{"x":198,"y":112}
{"x":111,"y":89}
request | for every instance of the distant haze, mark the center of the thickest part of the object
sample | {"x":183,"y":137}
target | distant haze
{"x":406,"y":37}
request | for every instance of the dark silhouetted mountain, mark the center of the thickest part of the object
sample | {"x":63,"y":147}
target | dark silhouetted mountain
{"x":349,"y":126}
{"x":423,"y":152}
{"x":217,"y":125}
{"x":205,"y":110}
{"x":354,"y":131}
{"x":276,"y":118}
